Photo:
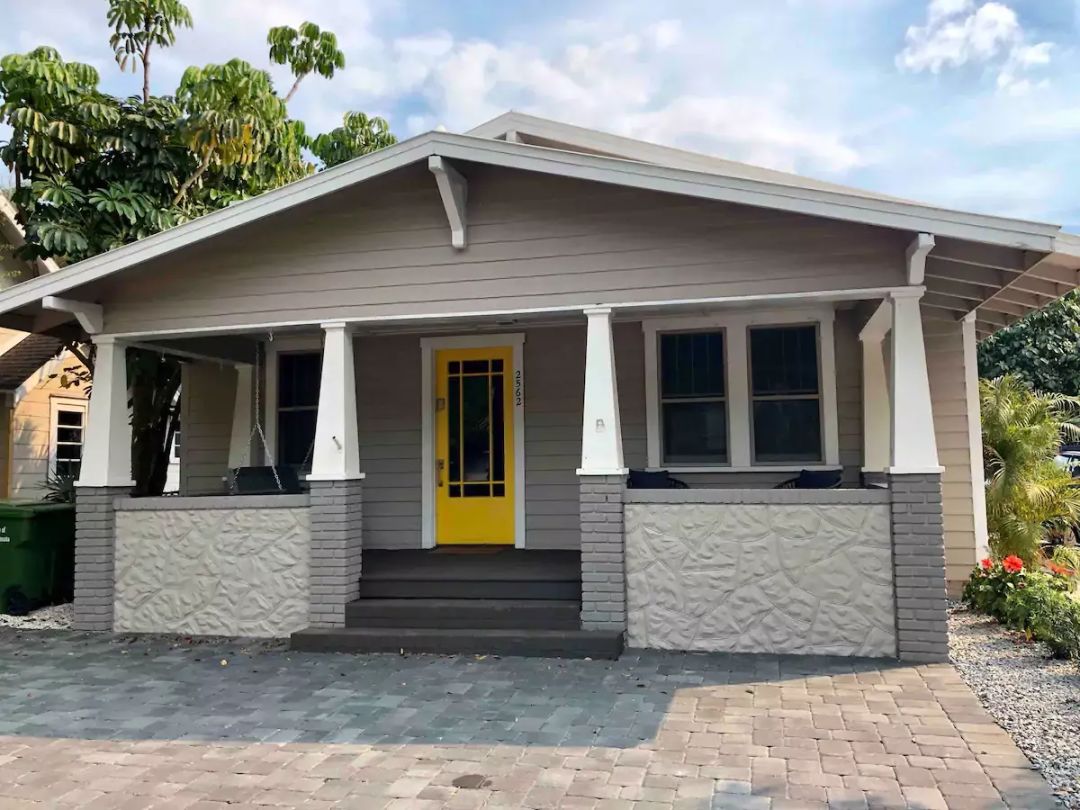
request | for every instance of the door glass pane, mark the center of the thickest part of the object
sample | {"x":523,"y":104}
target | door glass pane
{"x":475,"y":424}
{"x":695,"y":432}
{"x":477,"y":490}
{"x":454,"y":417}
{"x":787,"y":430}
{"x":498,"y":445}
{"x":475,"y":366}
{"x":784,"y":360}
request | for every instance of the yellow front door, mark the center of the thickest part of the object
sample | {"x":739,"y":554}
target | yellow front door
{"x":474,"y":431}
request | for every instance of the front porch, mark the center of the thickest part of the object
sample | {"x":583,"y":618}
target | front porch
{"x":362,"y":558}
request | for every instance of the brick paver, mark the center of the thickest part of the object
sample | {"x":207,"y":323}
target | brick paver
{"x":93,"y":722}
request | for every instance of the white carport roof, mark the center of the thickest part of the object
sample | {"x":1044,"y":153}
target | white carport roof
{"x":1000,"y":266}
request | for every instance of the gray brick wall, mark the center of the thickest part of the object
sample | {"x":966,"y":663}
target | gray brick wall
{"x":336,"y":543}
{"x":919,"y":568}
{"x":603,"y":552}
{"x":95,"y":556}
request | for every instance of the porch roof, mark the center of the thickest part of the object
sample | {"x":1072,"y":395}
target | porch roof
{"x":1001,"y":267}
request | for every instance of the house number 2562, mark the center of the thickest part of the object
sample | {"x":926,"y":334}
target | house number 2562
{"x":517,"y":388}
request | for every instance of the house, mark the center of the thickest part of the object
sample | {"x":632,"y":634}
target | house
{"x":41,"y":422}
{"x":463,"y":344}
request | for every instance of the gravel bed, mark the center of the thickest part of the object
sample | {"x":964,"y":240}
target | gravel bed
{"x":1032,"y":696}
{"x":55,"y":617}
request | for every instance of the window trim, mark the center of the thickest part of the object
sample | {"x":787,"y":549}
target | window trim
{"x":736,"y":327}
{"x":57,"y":404}
{"x":297,"y":344}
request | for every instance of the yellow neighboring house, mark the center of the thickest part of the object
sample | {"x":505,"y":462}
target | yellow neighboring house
{"x":41,"y":423}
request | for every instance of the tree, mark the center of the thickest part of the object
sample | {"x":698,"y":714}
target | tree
{"x":358,"y":135}
{"x":1042,"y":349}
{"x":139,"y":25}
{"x":93,"y":172}
{"x":306,"y":50}
{"x":1028,"y":492}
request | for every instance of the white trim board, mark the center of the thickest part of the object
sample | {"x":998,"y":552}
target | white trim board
{"x":736,"y":351}
{"x":900,"y":215}
{"x":428,"y":347}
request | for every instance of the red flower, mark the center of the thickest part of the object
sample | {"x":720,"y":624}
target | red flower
{"x":986,"y":563}
{"x":1013,"y":564}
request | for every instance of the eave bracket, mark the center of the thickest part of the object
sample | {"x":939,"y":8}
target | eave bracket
{"x":91,"y":317}
{"x":454,"y":191}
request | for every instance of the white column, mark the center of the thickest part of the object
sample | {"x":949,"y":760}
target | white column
{"x":601,"y":432}
{"x":240,"y":439}
{"x":107,"y":449}
{"x":975,"y":444}
{"x":336,"y":456}
{"x":912,"y":442}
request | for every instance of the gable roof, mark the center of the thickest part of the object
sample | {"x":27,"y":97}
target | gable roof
{"x":679,"y":172}
{"x":26,"y":357}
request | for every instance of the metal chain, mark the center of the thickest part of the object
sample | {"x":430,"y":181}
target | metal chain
{"x":257,"y":429}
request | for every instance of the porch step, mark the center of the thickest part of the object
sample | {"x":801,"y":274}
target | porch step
{"x":535,"y":589}
{"x":523,"y":614}
{"x":442,"y":641}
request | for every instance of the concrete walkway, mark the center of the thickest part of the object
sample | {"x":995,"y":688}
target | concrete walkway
{"x":97,"y":722}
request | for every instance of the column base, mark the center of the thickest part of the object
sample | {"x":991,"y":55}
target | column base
{"x":336,"y":513}
{"x":603,"y":552}
{"x":918,"y":542}
{"x":95,"y":557}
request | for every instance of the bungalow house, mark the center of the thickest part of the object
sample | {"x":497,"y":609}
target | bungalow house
{"x":547,"y":390}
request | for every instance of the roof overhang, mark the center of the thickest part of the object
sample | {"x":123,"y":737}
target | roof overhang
{"x":1005,"y":253}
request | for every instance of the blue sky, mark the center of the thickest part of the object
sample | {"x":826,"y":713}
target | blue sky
{"x":964,"y":103}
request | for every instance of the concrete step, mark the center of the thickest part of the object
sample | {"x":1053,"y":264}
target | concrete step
{"x":536,"y":614}
{"x":443,"y":641}
{"x":386,"y":587}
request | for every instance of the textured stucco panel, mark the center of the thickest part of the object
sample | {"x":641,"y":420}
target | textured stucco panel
{"x":230,"y":572}
{"x":799,"y":578}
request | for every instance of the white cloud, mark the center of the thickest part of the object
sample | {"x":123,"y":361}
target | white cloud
{"x":958,"y":33}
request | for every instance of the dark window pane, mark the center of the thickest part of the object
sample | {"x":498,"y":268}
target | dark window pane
{"x":695,"y":432}
{"x":455,"y":367}
{"x":74,"y":418}
{"x":453,"y":416}
{"x":692,"y":364}
{"x":477,"y":490}
{"x":455,"y":490}
{"x":298,"y":379}
{"x":69,"y":434}
{"x":784,"y":360}
{"x":475,"y":366}
{"x":787,"y":430}
{"x":69,"y":451}
{"x":296,"y":434}
{"x":498,"y":443}
{"x":496,"y":365}
{"x":475,"y":423}
{"x":68,"y":469}
{"x":498,"y":490}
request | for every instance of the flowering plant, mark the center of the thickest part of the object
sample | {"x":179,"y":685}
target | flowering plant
{"x":1013,"y":564}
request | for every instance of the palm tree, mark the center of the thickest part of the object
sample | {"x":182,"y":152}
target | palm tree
{"x":1027,"y":492}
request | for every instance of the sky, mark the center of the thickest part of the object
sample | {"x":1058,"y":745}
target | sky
{"x":962,"y":103}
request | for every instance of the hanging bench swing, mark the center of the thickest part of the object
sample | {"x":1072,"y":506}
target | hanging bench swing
{"x":268,"y":479}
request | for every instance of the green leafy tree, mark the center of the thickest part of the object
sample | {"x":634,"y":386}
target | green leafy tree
{"x":358,"y":135}
{"x":305,"y":50}
{"x":1028,"y":493}
{"x":93,"y":172}
{"x":1042,"y":349}
{"x":139,"y":25}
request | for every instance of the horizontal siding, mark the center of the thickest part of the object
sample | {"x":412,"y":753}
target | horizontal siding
{"x":534,"y":241}
{"x":31,"y":429}
{"x":945,"y":367}
{"x":207,"y":394}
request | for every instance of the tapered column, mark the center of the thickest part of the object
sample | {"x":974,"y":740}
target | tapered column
{"x":601,"y":431}
{"x":104,"y":475}
{"x":336,"y":497}
{"x":240,"y":439}
{"x":913,"y":446}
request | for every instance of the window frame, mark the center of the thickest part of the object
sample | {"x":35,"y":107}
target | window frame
{"x":273,"y":349}
{"x":724,"y":398}
{"x":57,"y":404}
{"x":736,"y":326}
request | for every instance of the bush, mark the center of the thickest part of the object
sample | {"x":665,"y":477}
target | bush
{"x":1035,"y":602}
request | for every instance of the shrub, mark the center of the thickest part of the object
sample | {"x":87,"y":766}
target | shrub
{"x":1035,"y":602}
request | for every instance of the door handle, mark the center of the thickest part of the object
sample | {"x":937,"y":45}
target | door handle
{"x":440,"y":465}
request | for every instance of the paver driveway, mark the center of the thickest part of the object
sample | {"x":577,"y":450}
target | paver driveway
{"x":96,"y":722}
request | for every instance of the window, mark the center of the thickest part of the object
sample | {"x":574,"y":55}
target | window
{"x":693,"y":404}
{"x":785,"y":393}
{"x":66,"y":446}
{"x":297,"y":406}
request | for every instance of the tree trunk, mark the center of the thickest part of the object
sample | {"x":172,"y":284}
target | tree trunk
{"x":155,"y":381}
{"x":295,"y":87}
{"x":195,"y":176}
{"x":146,"y":74}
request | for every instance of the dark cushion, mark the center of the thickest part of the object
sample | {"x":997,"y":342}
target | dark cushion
{"x":261,"y":481}
{"x":653,"y":479}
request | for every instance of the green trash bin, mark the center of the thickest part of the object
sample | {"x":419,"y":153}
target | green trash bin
{"x":37,"y":553}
